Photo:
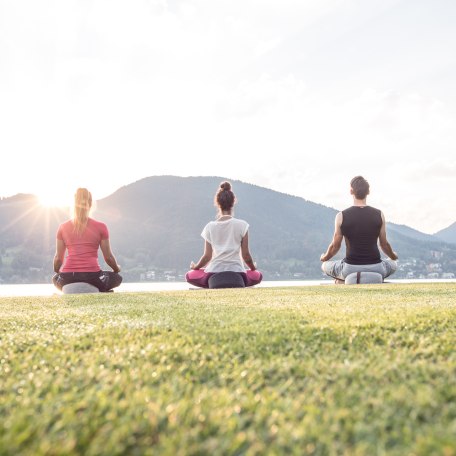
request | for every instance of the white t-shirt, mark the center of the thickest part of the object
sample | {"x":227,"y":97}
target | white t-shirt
{"x":225,"y":238}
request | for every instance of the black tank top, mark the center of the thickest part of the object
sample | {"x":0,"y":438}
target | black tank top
{"x":361,"y":228}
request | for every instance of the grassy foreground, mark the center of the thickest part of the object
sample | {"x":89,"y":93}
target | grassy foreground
{"x":330,"y":370}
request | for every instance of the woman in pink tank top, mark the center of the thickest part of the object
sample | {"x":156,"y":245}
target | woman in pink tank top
{"x":81,"y":237}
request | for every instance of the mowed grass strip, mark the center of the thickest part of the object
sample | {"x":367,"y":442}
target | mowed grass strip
{"x":330,"y":370}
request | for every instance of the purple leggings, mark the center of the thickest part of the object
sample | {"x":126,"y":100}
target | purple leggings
{"x":200,"y":278}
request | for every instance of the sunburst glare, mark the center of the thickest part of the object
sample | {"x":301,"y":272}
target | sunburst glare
{"x":54,"y":199}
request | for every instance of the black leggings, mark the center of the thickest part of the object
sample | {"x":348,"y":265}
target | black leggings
{"x":103,"y":280}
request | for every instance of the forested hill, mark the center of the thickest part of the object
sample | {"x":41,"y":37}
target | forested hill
{"x":155,"y":227}
{"x":448,"y":234}
{"x":162,"y":217}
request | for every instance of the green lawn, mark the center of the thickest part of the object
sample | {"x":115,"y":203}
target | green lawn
{"x":329,"y":370}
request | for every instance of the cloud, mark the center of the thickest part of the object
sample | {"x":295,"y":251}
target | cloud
{"x":251,"y":98}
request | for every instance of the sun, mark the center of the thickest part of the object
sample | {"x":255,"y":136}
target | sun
{"x":53,"y":199}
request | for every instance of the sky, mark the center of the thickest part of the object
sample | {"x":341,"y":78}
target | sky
{"x":295,"y":95}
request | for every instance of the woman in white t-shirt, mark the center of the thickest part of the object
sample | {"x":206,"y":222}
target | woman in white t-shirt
{"x":226,"y":245}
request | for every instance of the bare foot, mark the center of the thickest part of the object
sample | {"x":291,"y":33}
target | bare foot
{"x":339,"y":282}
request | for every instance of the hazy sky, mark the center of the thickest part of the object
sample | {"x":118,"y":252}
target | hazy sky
{"x":295,"y":95}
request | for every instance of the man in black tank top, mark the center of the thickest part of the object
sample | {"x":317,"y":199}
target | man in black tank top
{"x":363,"y":228}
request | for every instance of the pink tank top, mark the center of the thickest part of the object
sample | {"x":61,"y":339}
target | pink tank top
{"x":82,"y":249}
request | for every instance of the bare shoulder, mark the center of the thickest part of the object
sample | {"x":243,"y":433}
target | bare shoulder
{"x":339,"y":218}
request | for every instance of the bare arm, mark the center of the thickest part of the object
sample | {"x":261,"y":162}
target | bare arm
{"x":108,"y":255}
{"x":207,"y":256}
{"x":245,"y":252}
{"x":384,"y":244}
{"x":59,"y":256}
{"x":336,"y":243}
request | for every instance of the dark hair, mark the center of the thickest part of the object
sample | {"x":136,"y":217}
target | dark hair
{"x":224,"y":198}
{"x":360,"y":187}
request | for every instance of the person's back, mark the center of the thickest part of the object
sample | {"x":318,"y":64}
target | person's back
{"x":225,"y":237}
{"x":226,"y":245}
{"x":82,"y":247}
{"x":361,"y":228}
{"x":82,"y":237}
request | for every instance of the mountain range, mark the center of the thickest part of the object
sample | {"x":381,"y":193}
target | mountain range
{"x":156,"y":222}
{"x":447,"y":234}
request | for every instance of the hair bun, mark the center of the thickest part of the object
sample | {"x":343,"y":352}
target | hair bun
{"x":225,"y":186}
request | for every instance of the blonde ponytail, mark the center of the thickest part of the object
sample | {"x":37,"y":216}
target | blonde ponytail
{"x":81,"y":210}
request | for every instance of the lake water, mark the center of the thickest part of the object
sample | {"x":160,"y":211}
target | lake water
{"x":44,"y":289}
